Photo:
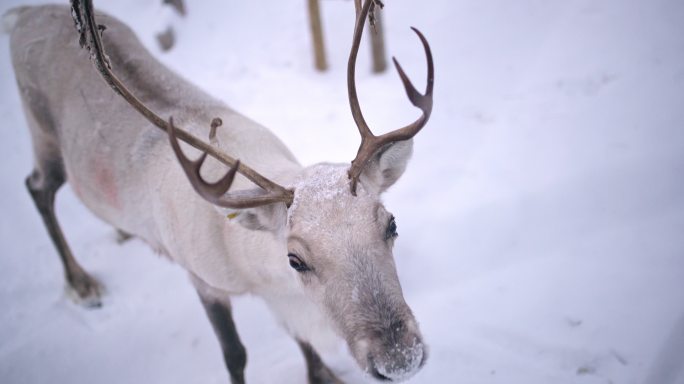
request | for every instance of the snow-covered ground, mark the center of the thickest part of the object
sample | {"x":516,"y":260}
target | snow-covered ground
{"x":541,"y":218}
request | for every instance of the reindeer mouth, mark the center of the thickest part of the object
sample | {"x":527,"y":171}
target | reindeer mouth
{"x":376,"y":375}
{"x":374,"y":371}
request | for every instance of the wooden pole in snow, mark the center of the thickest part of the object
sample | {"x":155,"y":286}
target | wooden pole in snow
{"x":377,"y":39}
{"x":317,"y":35}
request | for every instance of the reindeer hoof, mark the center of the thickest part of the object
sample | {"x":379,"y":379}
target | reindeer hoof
{"x":85,"y":290}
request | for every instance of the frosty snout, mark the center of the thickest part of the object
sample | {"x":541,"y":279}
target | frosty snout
{"x":398,"y":363}
{"x":394,"y":355}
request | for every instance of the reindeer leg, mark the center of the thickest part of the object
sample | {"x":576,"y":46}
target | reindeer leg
{"x":220,"y":315}
{"x":43,"y":186}
{"x":319,"y":373}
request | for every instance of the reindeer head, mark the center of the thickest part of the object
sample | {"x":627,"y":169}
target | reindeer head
{"x":340,"y":246}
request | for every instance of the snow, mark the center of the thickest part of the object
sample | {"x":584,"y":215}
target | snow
{"x":541,"y":216}
{"x":318,"y":186}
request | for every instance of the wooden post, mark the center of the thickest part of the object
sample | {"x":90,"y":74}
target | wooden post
{"x":377,"y":38}
{"x":317,"y":35}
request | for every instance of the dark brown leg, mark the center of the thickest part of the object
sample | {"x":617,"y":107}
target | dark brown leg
{"x":221,"y":318}
{"x":43,"y":188}
{"x":319,"y":373}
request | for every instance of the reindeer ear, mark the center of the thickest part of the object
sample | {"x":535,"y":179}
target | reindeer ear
{"x":386,"y":166}
{"x":270,"y":217}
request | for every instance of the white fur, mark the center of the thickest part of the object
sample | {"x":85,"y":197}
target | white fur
{"x":9,"y":19}
{"x":124,"y":171}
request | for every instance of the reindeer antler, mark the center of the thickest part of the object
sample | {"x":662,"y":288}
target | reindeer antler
{"x":370,"y":143}
{"x":216,"y":193}
{"x":84,"y":18}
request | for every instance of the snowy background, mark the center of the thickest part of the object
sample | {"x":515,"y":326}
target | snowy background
{"x":541,"y":218}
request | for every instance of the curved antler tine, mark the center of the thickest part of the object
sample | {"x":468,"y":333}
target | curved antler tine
{"x":422,"y":101}
{"x":189,"y":166}
{"x":430,"y":63}
{"x":223,"y":185}
{"x":210,"y":191}
{"x":411,"y":90}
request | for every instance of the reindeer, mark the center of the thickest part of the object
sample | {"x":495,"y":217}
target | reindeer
{"x":314,"y":242}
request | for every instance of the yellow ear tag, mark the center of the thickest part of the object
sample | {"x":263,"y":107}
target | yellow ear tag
{"x":233,"y":215}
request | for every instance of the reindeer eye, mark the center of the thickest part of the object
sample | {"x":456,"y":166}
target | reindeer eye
{"x":296,"y":263}
{"x":391,"y":231}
